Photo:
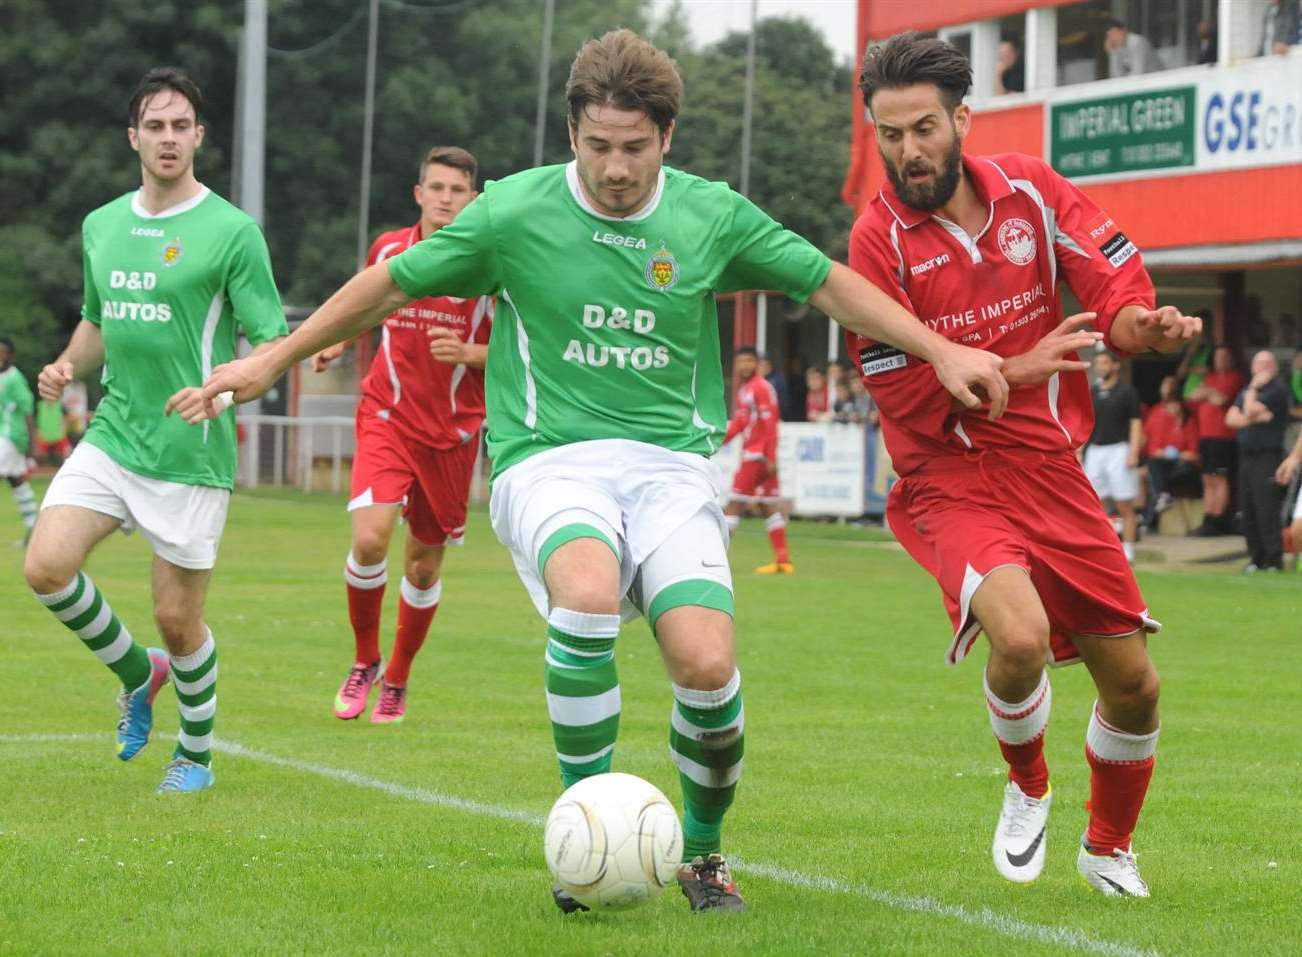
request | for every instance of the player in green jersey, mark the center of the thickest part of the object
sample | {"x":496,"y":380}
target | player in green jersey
{"x":172,"y":271}
{"x":16,"y":434}
{"x":605,"y":401}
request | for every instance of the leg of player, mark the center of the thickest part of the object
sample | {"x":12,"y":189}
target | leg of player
{"x":1120,"y":745}
{"x":421,"y":589}
{"x":732,"y":516}
{"x":706,"y":738}
{"x":1018,"y":698}
{"x":1129,"y":522}
{"x":178,"y":612}
{"x":775,"y":520}
{"x":25,"y":499}
{"x":365,"y":575}
{"x":63,"y":538}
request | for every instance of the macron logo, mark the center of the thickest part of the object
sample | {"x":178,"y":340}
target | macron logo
{"x":935,"y":262}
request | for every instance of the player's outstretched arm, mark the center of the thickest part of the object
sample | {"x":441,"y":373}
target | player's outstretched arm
{"x":864,"y":309}
{"x":1056,"y":352}
{"x":189,"y":403}
{"x":1164,"y":329}
{"x":361,"y":304}
{"x":85,"y":351}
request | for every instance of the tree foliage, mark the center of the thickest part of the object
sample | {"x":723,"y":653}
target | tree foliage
{"x":449,"y":72}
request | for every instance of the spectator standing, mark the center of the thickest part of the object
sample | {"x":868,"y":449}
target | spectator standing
{"x":865,"y":409}
{"x":1010,"y":72}
{"x":797,"y":390}
{"x":1279,"y":27}
{"x":1129,"y":54}
{"x":51,"y":442}
{"x":1284,"y":475}
{"x":1112,"y":455}
{"x":1216,"y":442}
{"x":1207,"y":44}
{"x":1259,"y":414}
{"x":1170,"y":450}
{"x":816,"y":405}
{"x":775,"y":378}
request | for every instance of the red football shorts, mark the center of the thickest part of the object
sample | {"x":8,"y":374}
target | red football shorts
{"x":431,"y":485}
{"x":963,"y":517}
{"x":753,"y":482}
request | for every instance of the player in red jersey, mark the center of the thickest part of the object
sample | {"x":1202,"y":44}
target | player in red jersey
{"x":755,"y":418}
{"x":1000,"y":512}
{"x":417,"y":438}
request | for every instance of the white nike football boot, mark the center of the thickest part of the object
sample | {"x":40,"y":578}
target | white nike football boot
{"x":1020,"y":835}
{"x":1115,"y":874}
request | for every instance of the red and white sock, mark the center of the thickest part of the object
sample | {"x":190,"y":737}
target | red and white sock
{"x":777,"y":526}
{"x":1121,"y":765}
{"x":415,"y":612}
{"x":1019,"y":728}
{"x":365,"y":599}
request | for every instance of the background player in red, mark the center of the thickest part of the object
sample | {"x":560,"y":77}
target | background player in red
{"x":1000,"y":512}
{"x":417,"y":439}
{"x":755,"y":419}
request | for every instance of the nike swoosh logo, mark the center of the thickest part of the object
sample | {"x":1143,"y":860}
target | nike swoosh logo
{"x":705,"y":564}
{"x":1120,"y":890}
{"x":1024,"y":858}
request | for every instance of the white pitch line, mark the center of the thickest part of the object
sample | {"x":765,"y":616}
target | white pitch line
{"x":982,"y":917}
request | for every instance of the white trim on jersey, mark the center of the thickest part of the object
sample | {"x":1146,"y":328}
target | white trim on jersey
{"x":899,"y":254}
{"x":697,"y":420}
{"x":483,"y":307}
{"x":576,"y":190}
{"x":386,"y":350}
{"x":1055,"y":386}
{"x":206,"y":344}
{"x":522,"y":345}
{"x":184,"y":206}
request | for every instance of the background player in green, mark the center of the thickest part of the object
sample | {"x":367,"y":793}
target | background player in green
{"x":16,"y":431}
{"x":171,"y":270}
{"x":605,"y":401}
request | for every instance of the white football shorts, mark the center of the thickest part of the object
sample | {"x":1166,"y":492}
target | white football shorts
{"x":182,"y":523}
{"x":13,"y":464}
{"x":659,"y":509}
{"x":1106,"y":468}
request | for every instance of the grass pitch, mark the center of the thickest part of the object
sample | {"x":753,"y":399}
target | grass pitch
{"x":863,"y":820}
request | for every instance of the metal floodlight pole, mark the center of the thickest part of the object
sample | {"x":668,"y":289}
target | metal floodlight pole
{"x":748,"y":104}
{"x":544,"y":79}
{"x":252,"y":104}
{"x":368,"y":126}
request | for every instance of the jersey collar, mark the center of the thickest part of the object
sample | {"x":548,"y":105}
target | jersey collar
{"x":576,"y":190}
{"x":183,"y":207}
{"x":988,"y":179}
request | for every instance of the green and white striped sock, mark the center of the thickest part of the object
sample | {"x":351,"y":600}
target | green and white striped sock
{"x":195,"y":678}
{"x":582,"y":691}
{"x":81,"y":607}
{"x":26,"y":500}
{"x":706,"y":743}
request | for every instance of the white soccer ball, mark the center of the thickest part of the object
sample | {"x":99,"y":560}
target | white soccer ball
{"x":613,"y":841}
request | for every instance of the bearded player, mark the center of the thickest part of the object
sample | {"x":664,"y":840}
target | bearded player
{"x":605,"y":401}
{"x":755,"y":419}
{"x":1001,"y":513}
{"x":417,"y":438}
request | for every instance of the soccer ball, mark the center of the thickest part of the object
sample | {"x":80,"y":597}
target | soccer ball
{"x":613,"y":841}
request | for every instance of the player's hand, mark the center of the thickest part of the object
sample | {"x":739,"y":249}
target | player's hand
{"x":1260,"y":380}
{"x":1132,"y":460}
{"x":963,"y":371}
{"x":1165,"y":326}
{"x":1056,"y":352}
{"x":446,"y":345}
{"x":53,"y":379}
{"x":189,"y":404}
{"x":245,"y":379}
{"x":321,"y":361}
{"x":1287,"y":469}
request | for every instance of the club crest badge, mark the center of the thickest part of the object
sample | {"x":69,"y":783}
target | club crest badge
{"x":172,"y":252}
{"x":662,"y":272}
{"x":1017,"y":241}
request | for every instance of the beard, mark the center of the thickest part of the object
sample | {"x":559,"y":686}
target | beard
{"x":928,"y":197}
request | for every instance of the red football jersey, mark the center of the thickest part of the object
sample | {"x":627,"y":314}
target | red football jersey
{"x":755,"y":417}
{"x":997,"y":291}
{"x":430,"y":402}
{"x":1211,"y":417}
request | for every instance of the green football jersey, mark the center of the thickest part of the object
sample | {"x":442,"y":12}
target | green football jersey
{"x":606,"y":328}
{"x":168,"y":293}
{"x":16,"y":405}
